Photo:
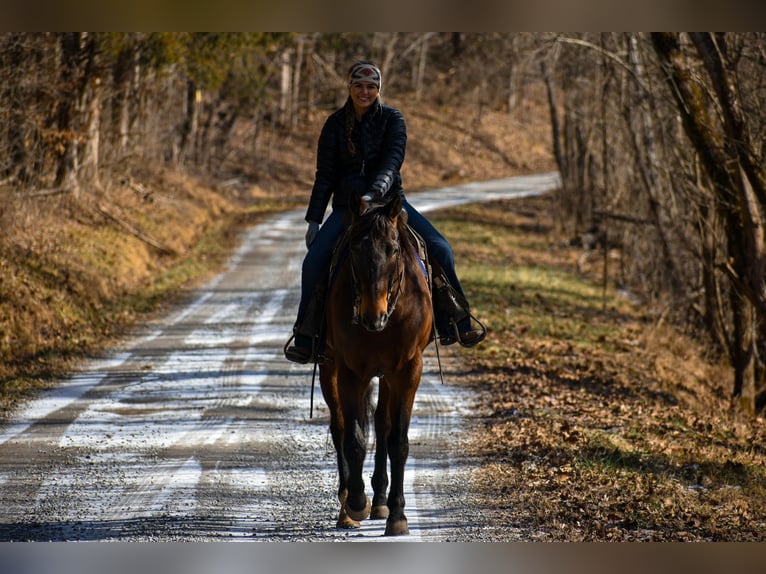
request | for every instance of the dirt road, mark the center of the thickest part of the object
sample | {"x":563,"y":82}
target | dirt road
{"x":198,"y":429}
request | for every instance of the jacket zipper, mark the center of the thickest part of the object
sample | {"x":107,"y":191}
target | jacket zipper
{"x":362,"y":145}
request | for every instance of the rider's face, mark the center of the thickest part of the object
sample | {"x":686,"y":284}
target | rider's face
{"x":363,"y":95}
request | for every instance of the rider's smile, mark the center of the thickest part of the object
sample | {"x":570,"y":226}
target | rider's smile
{"x":363,"y":95}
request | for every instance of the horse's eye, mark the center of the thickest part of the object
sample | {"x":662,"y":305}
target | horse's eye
{"x":391,"y":250}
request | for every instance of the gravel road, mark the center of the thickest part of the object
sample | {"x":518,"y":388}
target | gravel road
{"x":197,"y":429}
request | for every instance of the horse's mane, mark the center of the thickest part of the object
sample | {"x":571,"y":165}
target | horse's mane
{"x":376,"y":221}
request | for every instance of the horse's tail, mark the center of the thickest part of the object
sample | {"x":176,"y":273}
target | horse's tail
{"x":367,"y":414}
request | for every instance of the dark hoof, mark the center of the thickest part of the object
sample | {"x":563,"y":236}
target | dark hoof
{"x":379,"y":511}
{"x":397,"y":527}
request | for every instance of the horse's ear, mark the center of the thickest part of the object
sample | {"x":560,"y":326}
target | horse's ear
{"x":394,"y":207}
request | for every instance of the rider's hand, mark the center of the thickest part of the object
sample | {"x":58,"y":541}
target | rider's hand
{"x":311,"y":233}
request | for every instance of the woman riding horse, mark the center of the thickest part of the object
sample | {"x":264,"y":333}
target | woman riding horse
{"x":360,"y":152}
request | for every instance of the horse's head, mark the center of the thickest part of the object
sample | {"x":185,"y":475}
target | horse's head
{"x":376,"y":261}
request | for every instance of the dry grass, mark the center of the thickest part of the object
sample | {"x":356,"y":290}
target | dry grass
{"x":77,"y":270}
{"x":596,"y":424}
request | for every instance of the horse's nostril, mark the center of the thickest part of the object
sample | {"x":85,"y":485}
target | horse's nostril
{"x":375,"y":324}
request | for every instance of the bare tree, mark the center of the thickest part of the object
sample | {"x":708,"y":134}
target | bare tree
{"x":726,"y":157}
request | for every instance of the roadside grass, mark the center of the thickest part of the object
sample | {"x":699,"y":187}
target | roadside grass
{"x":520,"y":291}
{"x":598,"y":424}
{"x":75,"y":282}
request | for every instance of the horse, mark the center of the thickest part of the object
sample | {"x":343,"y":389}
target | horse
{"x":378,"y":322}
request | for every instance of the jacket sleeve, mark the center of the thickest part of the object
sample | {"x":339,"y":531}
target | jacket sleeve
{"x":393,"y":149}
{"x":326,"y":177}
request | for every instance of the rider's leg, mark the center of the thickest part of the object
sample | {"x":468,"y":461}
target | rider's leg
{"x":310,"y":320}
{"x":450,"y":303}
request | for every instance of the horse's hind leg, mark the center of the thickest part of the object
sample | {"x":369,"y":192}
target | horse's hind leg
{"x":380,"y":474}
{"x":402,"y":399}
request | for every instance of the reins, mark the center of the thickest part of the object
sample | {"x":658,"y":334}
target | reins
{"x":392,"y":298}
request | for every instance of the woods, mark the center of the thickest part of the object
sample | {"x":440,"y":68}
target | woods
{"x":658,"y":137}
{"x":662,"y":144}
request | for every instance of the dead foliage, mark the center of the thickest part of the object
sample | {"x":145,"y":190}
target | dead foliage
{"x":623,"y":433}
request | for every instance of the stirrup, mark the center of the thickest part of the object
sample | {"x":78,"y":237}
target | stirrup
{"x":472,"y":338}
{"x":451,"y":338}
{"x":302,"y":355}
{"x":467,"y":339}
{"x":298,"y":355}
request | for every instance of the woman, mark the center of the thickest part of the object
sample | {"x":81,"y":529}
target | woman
{"x":361,"y":150}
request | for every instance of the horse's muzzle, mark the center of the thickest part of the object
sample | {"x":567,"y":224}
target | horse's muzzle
{"x":375,"y":324}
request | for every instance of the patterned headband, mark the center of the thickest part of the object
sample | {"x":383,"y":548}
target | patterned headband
{"x":364,"y":72}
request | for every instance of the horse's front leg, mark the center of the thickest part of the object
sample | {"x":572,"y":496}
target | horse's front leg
{"x":402,"y":399}
{"x":380,"y":474}
{"x":328,"y":378}
{"x":354,"y":397}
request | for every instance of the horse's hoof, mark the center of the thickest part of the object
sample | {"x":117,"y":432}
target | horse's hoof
{"x":360,"y":514}
{"x":396,"y":527}
{"x":379,"y":511}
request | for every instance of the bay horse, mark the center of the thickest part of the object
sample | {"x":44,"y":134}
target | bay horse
{"x":379,"y":321}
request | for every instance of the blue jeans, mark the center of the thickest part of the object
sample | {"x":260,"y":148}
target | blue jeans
{"x":317,"y":260}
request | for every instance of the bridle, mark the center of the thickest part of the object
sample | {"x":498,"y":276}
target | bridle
{"x":395,"y":286}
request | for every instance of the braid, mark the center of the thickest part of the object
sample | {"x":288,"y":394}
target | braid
{"x":350,"y":119}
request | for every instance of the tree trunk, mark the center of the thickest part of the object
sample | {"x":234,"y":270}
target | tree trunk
{"x":555,"y":124}
{"x":743,"y":353}
{"x":66,"y":111}
{"x":296,"y":87}
{"x":642,"y":139}
{"x":712,"y":313}
{"x":284,"y":88}
{"x":713,"y":52}
{"x":121,"y":76}
{"x":90,"y":150}
{"x":421,"y":68}
{"x":743,"y":222}
{"x":191,"y":122}
{"x":13,"y":94}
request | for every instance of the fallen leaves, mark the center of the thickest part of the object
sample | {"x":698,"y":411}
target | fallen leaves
{"x":627,"y":438}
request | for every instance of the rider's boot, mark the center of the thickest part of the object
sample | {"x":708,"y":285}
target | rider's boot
{"x":307,"y":334}
{"x":453,"y":316}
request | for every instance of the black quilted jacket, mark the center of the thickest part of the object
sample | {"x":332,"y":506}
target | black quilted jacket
{"x":379,"y":139}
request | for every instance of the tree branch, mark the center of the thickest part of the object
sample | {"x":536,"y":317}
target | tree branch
{"x":133,"y":231}
{"x":612,"y":56}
